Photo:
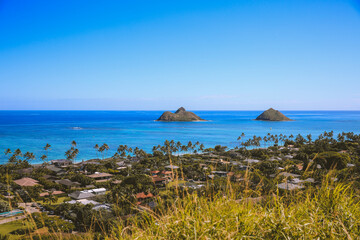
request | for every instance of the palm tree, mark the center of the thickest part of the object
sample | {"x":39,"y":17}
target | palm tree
{"x":29,"y":156}
{"x":184,"y":148}
{"x":7,"y":151}
{"x":137,"y":152}
{"x":103,"y":148}
{"x":47,"y":147}
{"x":116,"y":156}
{"x":72,"y":153}
{"x":51,"y":199}
{"x":96,"y":147}
{"x":106,"y":147}
{"x":43,"y":158}
{"x":201,"y":147}
{"x":68,"y":154}
{"x":18,"y":152}
{"x":190,"y":145}
{"x":121,"y":150}
{"x":340,"y":138}
{"x":178,"y":146}
{"x":154,"y":148}
{"x":309,"y":137}
{"x":75,"y":153}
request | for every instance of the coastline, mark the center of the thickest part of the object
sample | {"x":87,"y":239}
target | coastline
{"x":31,"y":130}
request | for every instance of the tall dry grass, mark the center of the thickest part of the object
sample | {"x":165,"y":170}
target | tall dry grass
{"x":331,"y":212}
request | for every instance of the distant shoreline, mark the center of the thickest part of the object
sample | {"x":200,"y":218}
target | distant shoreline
{"x":31,"y":132}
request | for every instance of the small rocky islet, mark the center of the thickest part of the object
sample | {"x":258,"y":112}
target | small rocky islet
{"x":272,"y":115}
{"x":181,"y":115}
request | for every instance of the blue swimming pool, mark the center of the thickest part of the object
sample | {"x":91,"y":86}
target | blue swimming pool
{"x":11,"y":213}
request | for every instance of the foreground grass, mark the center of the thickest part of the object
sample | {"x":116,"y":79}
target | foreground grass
{"x":329,"y":213}
{"x":7,"y":228}
{"x":175,"y":183}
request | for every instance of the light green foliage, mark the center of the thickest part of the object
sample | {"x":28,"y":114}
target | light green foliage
{"x":4,"y":206}
{"x":53,"y":224}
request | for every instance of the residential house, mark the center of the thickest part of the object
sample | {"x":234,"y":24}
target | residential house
{"x":154,"y":173}
{"x":168,"y":175}
{"x":55,"y":169}
{"x":81,"y":195}
{"x":68,"y":183}
{"x":26,"y":182}
{"x":171,"y":167}
{"x":101,"y":177}
{"x":61,"y":162}
{"x":159,"y":181}
{"x":142,"y":197}
{"x":102,"y":207}
{"x":84,"y":202}
{"x":116,"y":181}
{"x":251,"y":161}
{"x":56,"y":193}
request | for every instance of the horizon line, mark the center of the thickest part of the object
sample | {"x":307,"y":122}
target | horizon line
{"x":152,"y":110}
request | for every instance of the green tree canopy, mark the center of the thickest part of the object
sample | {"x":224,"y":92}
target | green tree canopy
{"x":329,"y":160}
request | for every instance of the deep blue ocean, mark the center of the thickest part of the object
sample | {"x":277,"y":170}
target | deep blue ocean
{"x":31,"y":130}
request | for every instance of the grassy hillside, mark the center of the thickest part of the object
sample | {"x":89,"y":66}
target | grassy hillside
{"x":329,"y":213}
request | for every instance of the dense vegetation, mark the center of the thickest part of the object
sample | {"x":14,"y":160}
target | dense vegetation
{"x":271,"y":187}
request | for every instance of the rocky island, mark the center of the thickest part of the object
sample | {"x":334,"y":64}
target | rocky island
{"x":272,"y":115}
{"x":181,"y":115}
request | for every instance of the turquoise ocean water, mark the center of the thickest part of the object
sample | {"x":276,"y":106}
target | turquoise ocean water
{"x":31,"y":130}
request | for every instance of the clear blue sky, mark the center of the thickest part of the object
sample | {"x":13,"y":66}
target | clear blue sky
{"x":200,"y":54}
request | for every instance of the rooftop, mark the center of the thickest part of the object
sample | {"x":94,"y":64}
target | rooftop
{"x":83,"y":201}
{"x":142,"y":195}
{"x":26,"y":182}
{"x":100,"y":175}
{"x":81,"y":195}
{"x":67,"y":182}
{"x":53,"y":193}
{"x":172,"y":167}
